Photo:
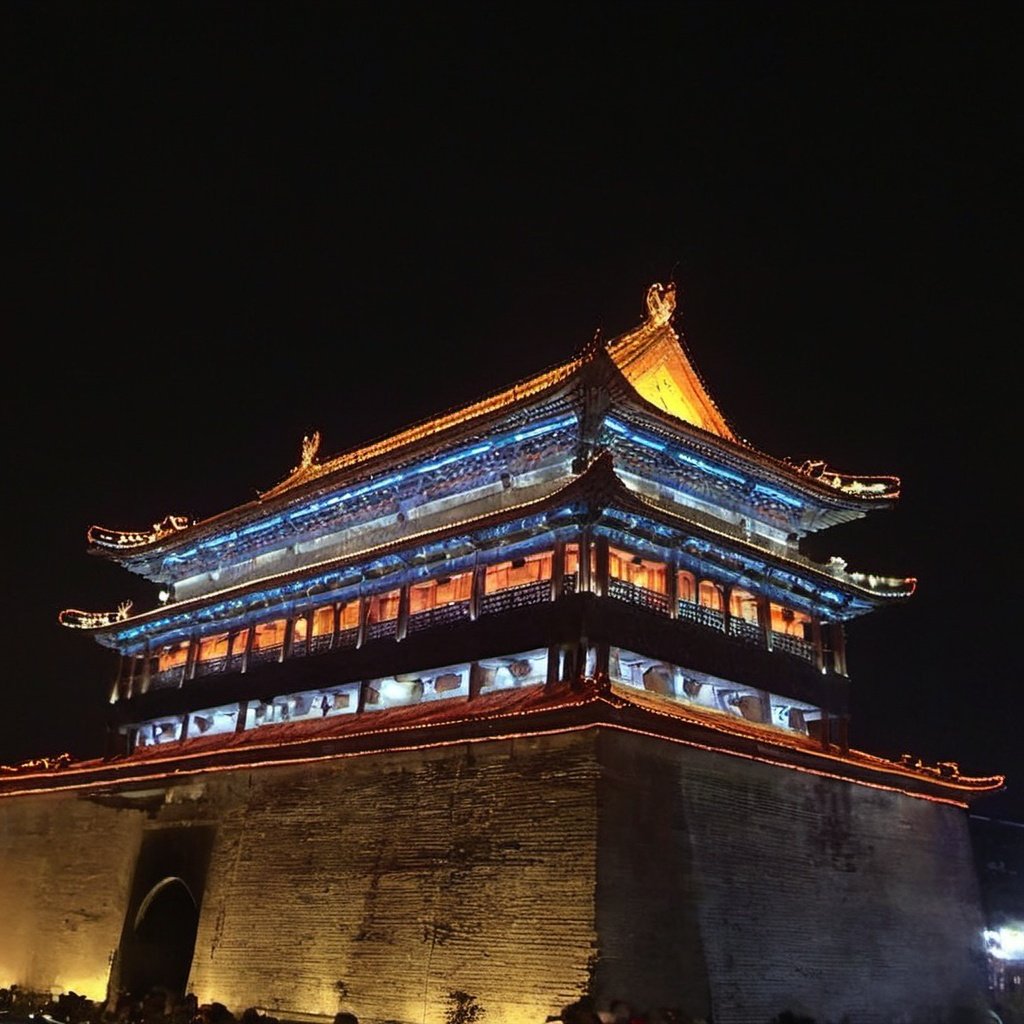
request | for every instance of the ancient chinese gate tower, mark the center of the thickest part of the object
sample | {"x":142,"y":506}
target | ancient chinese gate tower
{"x":537,"y":698}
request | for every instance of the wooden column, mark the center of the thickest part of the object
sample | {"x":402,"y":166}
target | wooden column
{"x":554,"y":656}
{"x":476,"y":591}
{"x":402,"y":625}
{"x":147,"y":666}
{"x":364,"y":608}
{"x":600,"y":582}
{"x":247,"y":653}
{"x":243,"y":712}
{"x":672,"y":588}
{"x":130,"y":685}
{"x":191,"y":659}
{"x":289,"y":636}
{"x":336,"y":625}
{"x":309,"y":632}
{"x":476,"y":675}
{"x":838,"y":635}
{"x":602,"y":665}
{"x":819,"y":646}
{"x":115,"y":689}
{"x":764,"y":620}
{"x":558,"y":570}
{"x":585,"y":542}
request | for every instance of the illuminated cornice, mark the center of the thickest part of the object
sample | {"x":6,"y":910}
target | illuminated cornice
{"x":594,"y":495}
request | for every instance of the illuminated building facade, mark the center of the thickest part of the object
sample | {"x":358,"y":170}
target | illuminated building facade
{"x":538,"y":698}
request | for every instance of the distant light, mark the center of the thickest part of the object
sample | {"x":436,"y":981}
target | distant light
{"x":1005,"y":943}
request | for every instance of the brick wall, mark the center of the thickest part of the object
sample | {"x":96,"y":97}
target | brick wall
{"x":813,"y":895}
{"x":65,"y":868}
{"x":380,"y":884}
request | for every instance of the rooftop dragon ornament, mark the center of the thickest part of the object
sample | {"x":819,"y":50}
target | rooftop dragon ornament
{"x":661,"y":304}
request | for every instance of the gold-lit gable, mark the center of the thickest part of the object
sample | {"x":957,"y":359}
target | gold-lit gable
{"x":650,"y":357}
{"x":652,"y":360}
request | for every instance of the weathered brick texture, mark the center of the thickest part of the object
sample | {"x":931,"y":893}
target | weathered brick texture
{"x":65,"y":868}
{"x":812,"y":895}
{"x":521,"y":872}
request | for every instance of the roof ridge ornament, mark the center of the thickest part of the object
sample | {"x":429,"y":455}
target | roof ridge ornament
{"x":661,"y":303}
{"x":310,"y":447}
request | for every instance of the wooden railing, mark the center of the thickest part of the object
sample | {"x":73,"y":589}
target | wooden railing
{"x":442,"y":615}
{"x":525,"y":595}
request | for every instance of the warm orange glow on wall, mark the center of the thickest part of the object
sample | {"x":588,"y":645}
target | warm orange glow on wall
{"x":269,"y":634}
{"x":514,"y":573}
{"x":641,"y":572}
{"x":437,"y":593}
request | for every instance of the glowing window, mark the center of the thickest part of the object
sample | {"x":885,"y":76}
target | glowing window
{"x":743,"y":605}
{"x":383,"y":607}
{"x":268,"y":634}
{"x":572,"y":558}
{"x":173,"y":656}
{"x":789,"y":621}
{"x":687,"y":586}
{"x":238,"y":642}
{"x":212,"y":648}
{"x":436,"y":593}
{"x":519,"y":571}
{"x":323,"y":621}
{"x":349,"y":617}
{"x":710,"y":596}
{"x":641,"y":572}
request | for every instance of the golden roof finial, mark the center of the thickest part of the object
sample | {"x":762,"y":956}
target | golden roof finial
{"x":661,"y":303}
{"x":310,"y":446}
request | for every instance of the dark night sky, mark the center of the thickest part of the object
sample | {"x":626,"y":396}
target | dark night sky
{"x":231,"y":224}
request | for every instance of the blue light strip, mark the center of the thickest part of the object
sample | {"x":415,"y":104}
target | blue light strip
{"x":701,"y":464}
{"x":692,"y":460}
{"x":376,"y":485}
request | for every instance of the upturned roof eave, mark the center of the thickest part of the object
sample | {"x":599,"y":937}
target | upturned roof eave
{"x":358,"y":463}
{"x":739,"y":454}
{"x":306,"y":481}
{"x":599,"y":485}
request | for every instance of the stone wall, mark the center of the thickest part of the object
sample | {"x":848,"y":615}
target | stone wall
{"x":66,"y":865}
{"x":813,"y":895}
{"x":521,"y":872}
{"x":381,"y":884}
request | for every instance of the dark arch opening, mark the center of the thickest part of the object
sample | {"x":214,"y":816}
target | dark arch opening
{"x":157,"y":953}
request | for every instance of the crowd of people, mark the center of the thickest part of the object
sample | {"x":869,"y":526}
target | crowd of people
{"x":18,"y":1006}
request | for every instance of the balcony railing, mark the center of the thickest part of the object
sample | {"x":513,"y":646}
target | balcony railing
{"x":640,"y":596}
{"x":265,"y":655}
{"x":442,"y":615}
{"x":525,"y":595}
{"x":379,"y":630}
{"x":211,"y":666}
{"x":516,"y":597}
{"x":709,"y":618}
{"x":748,"y":632}
{"x":794,"y":645}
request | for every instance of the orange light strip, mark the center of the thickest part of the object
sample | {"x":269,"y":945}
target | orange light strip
{"x":509,"y":396}
{"x":751,"y":730}
{"x":440,"y":744}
